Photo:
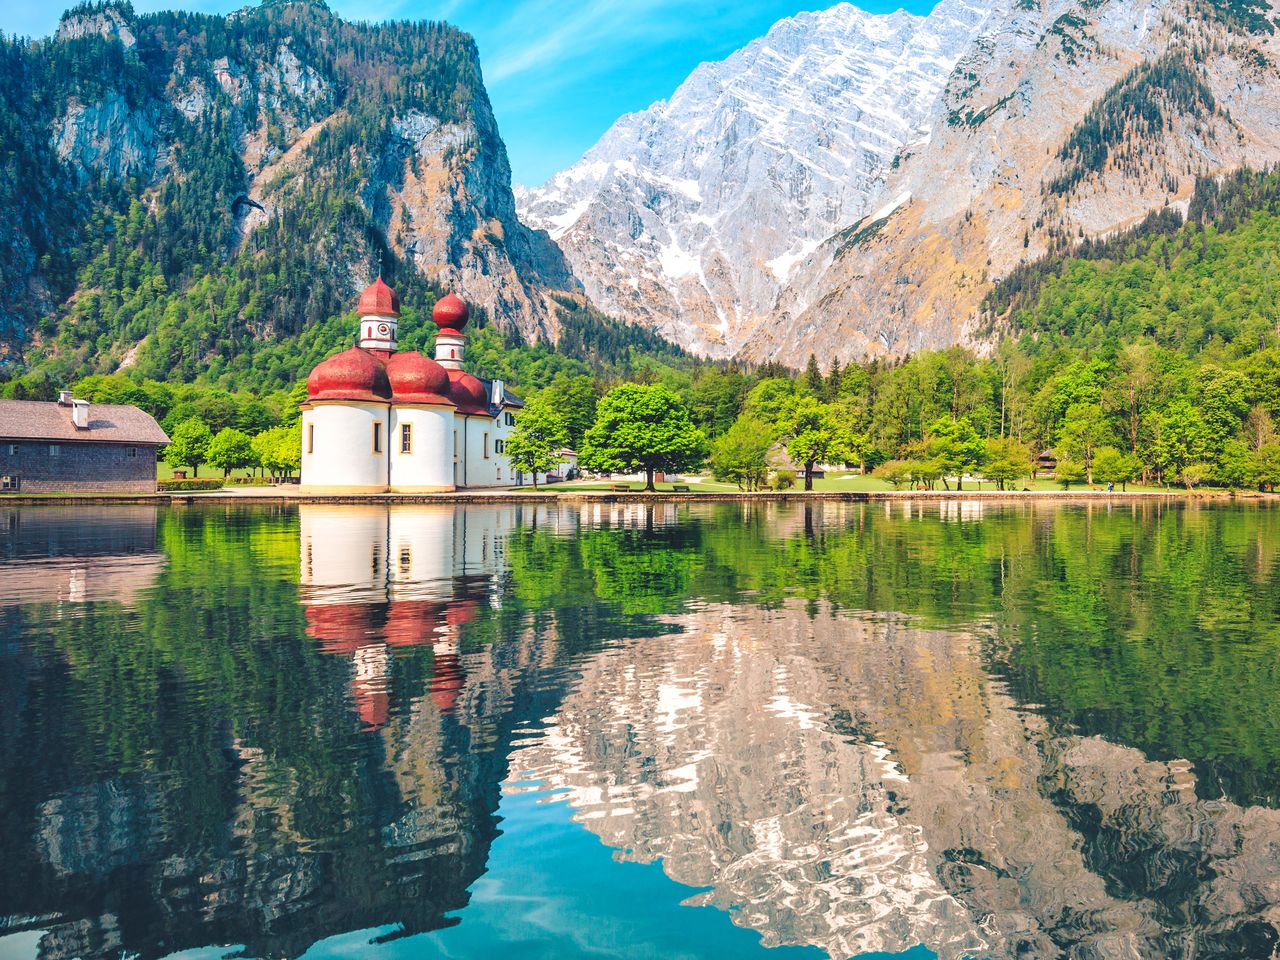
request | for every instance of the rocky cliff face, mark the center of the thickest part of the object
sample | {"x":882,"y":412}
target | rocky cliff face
{"x":691,"y":215}
{"x":852,"y":186}
{"x":369,"y":147}
{"x":1074,"y":119}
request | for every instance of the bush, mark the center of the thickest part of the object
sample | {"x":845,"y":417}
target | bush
{"x":201,"y":483}
{"x":784,"y":480}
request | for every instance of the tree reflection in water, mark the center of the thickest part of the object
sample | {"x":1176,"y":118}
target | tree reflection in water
{"x":1020,"y":730}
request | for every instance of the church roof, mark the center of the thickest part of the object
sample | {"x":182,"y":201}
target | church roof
{"x":378,"y":300}
{"x":354,"y":374}
{"x":450,"y":312}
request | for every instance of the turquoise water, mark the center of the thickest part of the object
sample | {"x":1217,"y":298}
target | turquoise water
{"x":966,"y":730}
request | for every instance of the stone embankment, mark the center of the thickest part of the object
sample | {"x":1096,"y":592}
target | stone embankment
{"x":274,"y":495}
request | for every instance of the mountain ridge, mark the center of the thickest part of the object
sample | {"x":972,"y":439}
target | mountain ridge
{"x":689,"y":215}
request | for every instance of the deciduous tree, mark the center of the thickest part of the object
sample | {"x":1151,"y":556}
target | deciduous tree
{"x":811,"y":435}
{"x":642,"y":427}
{"x":541,"y":432}
{"x":741,"y":455}
{"x":189,"y":445}
{"x":230,"y":449}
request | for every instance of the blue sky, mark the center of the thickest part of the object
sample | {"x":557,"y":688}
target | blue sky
{"x":559,"y":72}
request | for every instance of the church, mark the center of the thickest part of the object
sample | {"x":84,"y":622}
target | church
{"x":381,"y":420}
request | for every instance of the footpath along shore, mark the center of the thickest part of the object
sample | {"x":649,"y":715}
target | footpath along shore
{"x":278,"y":495}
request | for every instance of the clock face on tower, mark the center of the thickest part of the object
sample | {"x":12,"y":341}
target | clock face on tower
{"x":383,"y":329}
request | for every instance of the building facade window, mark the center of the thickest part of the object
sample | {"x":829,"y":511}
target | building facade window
{"x":406,"y":438}
{"x":133,"y":452}
{"x":509,"y":419}
{"x":311,"y":438}
{"x":377,"y":436}
{"x":13,"y":449}
{"x":486,"y":446}
{"x":55,"y":449}
{"x":10,"y":483}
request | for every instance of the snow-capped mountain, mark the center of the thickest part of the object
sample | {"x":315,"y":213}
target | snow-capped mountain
{"x":1034,"y":144}
{"x":691,"y":216}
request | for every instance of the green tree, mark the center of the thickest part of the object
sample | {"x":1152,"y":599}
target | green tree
{"x":541,"y":432}
{"x":1179,"y":439}
{"x":813,"y":381}
{"x":1114,"y":466}
{"x":768,"y":399}
{"x":1007,"y":461}
{"x":576,"y":397}
{"x":279,"y":450}
{"x":898,"y":472}
{"x":1068,"y":472}
{"x":189,"y":445}
{"x":717,"y":399}
{"x":642,"y":427}
{"x":230,"y":449}
{"x":956,"y":448}
{"x":1193,"y":474}
{"x":741,"y":455}
{"x":1235,"y":466}
{"x":811,"y":434}
{"x":1083,"y":430}
{"x":1266,"y":466}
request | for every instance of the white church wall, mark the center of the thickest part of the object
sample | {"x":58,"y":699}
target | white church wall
{"x":339,"y":452}
{"x":428,"y":464}
{"x":343,"y":552}
{"x":420,"y":557}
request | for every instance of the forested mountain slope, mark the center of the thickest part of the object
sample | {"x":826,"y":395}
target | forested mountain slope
{"x":199,"y":196}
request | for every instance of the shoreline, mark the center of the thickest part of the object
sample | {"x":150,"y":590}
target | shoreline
{"x":271,"y":495}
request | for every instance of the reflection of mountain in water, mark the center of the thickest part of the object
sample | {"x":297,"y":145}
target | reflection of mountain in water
{"x":864,"y":786}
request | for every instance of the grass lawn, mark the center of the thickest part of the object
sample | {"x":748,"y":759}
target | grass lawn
{"x":165,"y":472}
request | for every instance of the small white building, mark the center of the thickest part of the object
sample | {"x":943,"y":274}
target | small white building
{"x":380,"y":420}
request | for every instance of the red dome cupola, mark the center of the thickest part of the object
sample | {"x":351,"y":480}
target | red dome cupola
{"x":417,"y":379}
{"x":354,"y":374}
{"x":450,"y":313}
{"x":378,"y":300}
{"x":469,"y":394}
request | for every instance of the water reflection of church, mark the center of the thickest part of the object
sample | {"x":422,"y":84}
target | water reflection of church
{"x":378,"y":580}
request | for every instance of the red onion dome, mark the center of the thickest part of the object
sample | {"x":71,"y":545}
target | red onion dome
{"x":378,"y":300}
{"x":468,"y":393}
{"x":417,"y":379}
{"x":341,"y":628}
{"x":447,"y":681}
{"x":411,"y":623}
{"x":354,"y":374}
{"x":450,"y":313}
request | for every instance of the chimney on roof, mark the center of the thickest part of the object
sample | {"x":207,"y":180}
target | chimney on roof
{"x":80,"y":414}
{"x":64,"y":398}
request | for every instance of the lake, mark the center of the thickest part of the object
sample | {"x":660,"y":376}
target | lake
{"x":946,"y":729}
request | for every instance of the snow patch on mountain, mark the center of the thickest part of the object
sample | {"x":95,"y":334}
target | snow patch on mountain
{"x":692,"y":215}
